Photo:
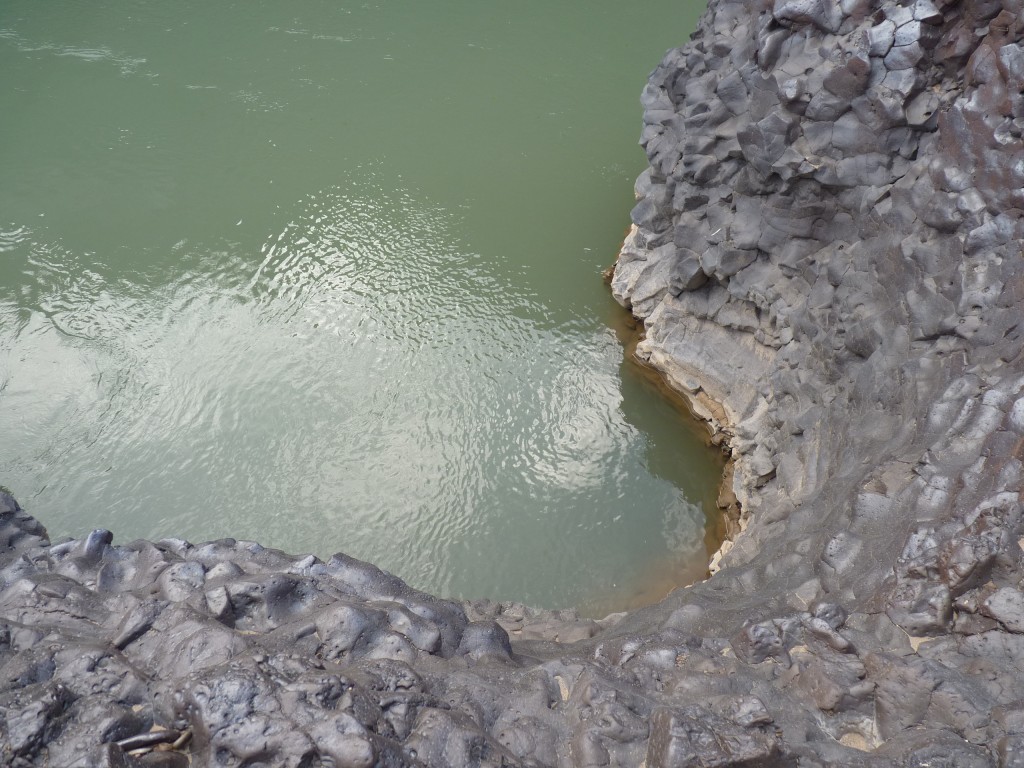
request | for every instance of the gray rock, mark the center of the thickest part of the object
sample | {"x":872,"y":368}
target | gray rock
{"x":824,"y":15}
{"x":881,"y":38}
{"x":694,"y":737}
{"x":907,"y":34}
{"x":925,"y":10}
{"x":687,"y":274}
{"x":904,"y":56}
{"x":849,"y":80}
{"x":1007,"y":607}
{"x":923,"y":111}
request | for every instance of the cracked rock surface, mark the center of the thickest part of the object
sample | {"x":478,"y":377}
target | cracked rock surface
{"x":826,"y":256}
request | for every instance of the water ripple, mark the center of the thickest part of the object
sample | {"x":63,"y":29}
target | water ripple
{"x":12,"y":236}
{"x":367,"y":384}
{"x":128,"y":65}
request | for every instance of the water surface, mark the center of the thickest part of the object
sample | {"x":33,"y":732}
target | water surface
{"x":327,"y":276}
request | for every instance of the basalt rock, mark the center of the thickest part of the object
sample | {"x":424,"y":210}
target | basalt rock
{"x":827,"y":259}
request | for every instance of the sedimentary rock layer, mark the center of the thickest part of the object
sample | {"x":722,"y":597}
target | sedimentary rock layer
{"x":827,"y":259}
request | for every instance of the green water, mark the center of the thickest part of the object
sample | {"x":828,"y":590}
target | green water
{"x":327,"y":276}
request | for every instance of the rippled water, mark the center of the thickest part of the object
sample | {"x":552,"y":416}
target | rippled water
{"x":327,"y":277}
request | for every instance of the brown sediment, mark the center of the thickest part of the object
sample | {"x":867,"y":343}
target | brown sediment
{"x":722,"y":522}
{"x":659,"y":576}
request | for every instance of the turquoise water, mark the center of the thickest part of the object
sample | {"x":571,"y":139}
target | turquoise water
{"x":327,"y":276}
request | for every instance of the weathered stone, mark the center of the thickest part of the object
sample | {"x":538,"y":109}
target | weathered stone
{"x":881,"y":38}
{"x":681,"y":739}
{"x":925,"y":10}
{"x":922,"y":112}
{"x":1007,"y":607}
{"x":907,"y":33}
{"x":687,"y":273}
{"x":904,"y":56}
{"x":725,"y":262}
{"x":849,"y":80}
{"x":879,"y":109}
{"x":822,"y":14}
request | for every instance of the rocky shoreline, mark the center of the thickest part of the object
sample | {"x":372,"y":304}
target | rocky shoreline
{"x":730,"y":519}
{"x":826,"y":256}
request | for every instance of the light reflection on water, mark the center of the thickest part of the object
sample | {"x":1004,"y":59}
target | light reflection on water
{"x":187,"y":350}
{"x":369,"y":387}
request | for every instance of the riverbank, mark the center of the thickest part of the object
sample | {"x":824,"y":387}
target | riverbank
{"x":827,"y":244}
{"x":727,"y":520}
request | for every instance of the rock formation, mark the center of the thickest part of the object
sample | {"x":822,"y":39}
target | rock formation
{"x":827,"y":259}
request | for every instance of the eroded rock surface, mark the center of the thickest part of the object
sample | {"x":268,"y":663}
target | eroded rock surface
{"x":827,"y":259}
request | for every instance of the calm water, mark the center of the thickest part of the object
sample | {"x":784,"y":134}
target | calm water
{"x":327,"y":276}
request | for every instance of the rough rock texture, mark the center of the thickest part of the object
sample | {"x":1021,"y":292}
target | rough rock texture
{"x":827,"y":259}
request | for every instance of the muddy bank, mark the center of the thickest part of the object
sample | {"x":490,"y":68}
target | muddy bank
{"x":827,"y":249}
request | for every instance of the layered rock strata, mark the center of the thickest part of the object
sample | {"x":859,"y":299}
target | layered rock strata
{"x":827,"y":259}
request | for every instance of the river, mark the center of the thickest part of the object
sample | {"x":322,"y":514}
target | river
{"x":327,"y":276}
